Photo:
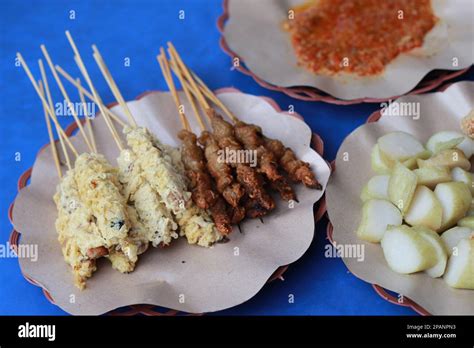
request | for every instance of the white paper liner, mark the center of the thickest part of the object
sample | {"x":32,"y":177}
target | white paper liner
{"x":439,"y":111}
{"x":182,"y":277}
{"x":254,"y":32}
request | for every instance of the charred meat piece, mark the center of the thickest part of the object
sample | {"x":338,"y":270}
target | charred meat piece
{"x":201,"y":189}
{"x":247,"y":176}
{"x":296,"y":169}
{"x":284,"y":189}
{"x":220,"y":216}
{"x":233,"y":194}
{"x":236,"y":214}
{"x":201,"y":182}
{"x":253,"y":184}
{"x":254,"y":209}
{"x":251,"y":137}
{"x":299,"y":170}
{"x":220,"y":171}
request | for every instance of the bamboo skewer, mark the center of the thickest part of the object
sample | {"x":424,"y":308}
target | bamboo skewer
{"x":100,"y":103}
{"x":203,"y":191}
{"x":45,"y":104}
{"x":112,"y":85}
{"x":166,"y":74}
{"x":84,"y":72}
{"x":179,"y":64}
{"x":186,"y":91}
{"x":172,"y":88}
{"x":66,"y":97}
{"x":206,"y":91}
{"x":88,"y":120}
{"x":50,"y":135}
{"x":50,"y":101}
{"x":70,"y":79}
{"x":214,"y":99}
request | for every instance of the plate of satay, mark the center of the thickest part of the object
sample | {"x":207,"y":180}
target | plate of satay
{"x":346,"y":51}
{"x":182,"y":199}
{"x":402,"y":194}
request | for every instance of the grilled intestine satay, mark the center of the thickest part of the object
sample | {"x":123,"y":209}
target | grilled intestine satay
{"x":202,"y":187}
{"x":223,"y":135}
{"x":296,"y":169}
{"x":246,"y":175}
{"x":251,"y":136}
{"x":231,"y":190}
{"x":201,"y":182}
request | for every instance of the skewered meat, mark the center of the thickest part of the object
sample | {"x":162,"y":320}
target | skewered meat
{"x":296,"y":169}
{"x":253,"y":184}
{"x":201,"y":183}
{"x":195,"y":165}
{"x":220,"y":216}
{"x":247,"y":176}
{"x":251,"y":137}
{"x":220,"y":171}
{"x":284,"y":189}
{"x":236,"y":214}
{"x":194,"y":223}
{"x":254,"y":209}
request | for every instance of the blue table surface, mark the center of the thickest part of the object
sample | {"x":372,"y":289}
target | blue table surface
{"x":136,"y":29}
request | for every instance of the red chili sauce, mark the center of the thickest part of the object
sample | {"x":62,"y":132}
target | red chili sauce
{"x":357,"y":36}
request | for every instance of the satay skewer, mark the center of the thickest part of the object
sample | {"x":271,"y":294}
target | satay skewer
{"x":193,"y":157}
{"x":231,"y":190}
{"x":260,"y":201}
{"x":297,"y":170}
